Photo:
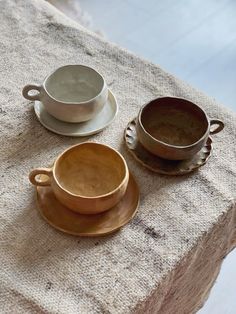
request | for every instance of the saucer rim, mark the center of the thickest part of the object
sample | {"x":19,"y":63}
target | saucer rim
{"x":97,"y":234}
{"x":95,"y":131}
{"x":158,"y":170}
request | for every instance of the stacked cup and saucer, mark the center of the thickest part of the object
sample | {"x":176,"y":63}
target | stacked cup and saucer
{"x":89,"y":190}
{"x":171,"y":136}
{"x":74,"y":101}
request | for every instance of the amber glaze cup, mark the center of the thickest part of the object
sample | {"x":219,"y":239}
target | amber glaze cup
{"x":174,"y":128}
{"x":88,"y":178}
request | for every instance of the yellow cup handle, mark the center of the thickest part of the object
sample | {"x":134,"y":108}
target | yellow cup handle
{"x":33,"y":176}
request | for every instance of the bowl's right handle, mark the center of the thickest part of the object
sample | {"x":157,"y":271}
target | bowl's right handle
{"x":219,"y":123}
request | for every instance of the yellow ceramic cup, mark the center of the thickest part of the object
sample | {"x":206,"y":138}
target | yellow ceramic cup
{"x":88,"y":178}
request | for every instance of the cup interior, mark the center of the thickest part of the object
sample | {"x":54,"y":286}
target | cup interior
{"x":90,"y":170}
{"x":174,"y":121}
{"x":74,"y":84}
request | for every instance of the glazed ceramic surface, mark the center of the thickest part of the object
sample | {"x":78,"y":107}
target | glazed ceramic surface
{"x":88,"y":178}
{"x":60,"y":217}
{"x":174,"y":128}
{"x":72,"y":93}
{"x":95,"y":125}
{"x":160,"y":165}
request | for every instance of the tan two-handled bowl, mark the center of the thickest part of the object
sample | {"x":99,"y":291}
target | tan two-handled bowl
{"x":88,"y":178}
{"x":174,"y":128}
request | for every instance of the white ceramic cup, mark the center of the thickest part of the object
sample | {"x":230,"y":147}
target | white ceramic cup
{"x":72,"y":93}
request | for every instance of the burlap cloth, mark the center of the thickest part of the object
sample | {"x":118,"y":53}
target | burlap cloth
{"x":167,"y":258}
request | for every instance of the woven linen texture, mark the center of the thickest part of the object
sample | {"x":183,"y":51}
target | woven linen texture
{"x":167,"y":258}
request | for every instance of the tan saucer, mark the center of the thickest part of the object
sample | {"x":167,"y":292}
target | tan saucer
{"x":164,"y":166}
{"x":64,"y":219}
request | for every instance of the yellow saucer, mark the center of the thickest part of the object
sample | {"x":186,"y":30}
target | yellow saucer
{"x":64,"y":219}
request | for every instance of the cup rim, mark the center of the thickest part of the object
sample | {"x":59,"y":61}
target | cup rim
{"x":104,"y":86}
{"x":98,"y":196}
{"x":164,"y":143}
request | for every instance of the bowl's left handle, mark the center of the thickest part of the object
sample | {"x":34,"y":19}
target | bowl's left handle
{"x":39,"y":171}
{"x":31,"y":87}
{"x":220,"y":126}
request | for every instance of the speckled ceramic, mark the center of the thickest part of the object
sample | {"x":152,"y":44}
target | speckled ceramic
{"x":63,"y":219}
{"x":72,"y":93}
{"x":174,"y":128}
{"x":160,"y":165}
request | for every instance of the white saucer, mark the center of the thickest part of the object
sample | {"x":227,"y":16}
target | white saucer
{"x":97,"y":124}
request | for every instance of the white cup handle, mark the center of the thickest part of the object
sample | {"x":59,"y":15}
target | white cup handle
{"x":28,"y":88}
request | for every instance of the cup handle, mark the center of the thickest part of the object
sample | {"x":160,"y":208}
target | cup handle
{"x":28,"y":88}
{"x":33,"y":176}
{"x":218,"y":128}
